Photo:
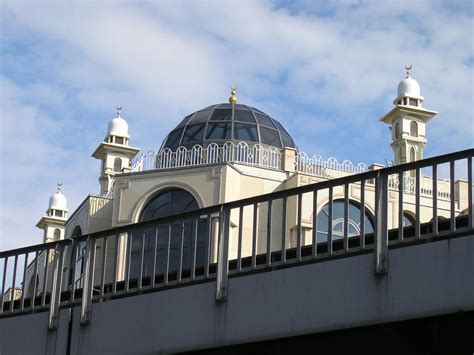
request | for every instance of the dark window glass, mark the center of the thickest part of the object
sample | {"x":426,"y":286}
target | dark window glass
{"x":408,"y":220}
{"x":245,"y":132}
{"x":270,"y":137}
{"x":218,"y":130}
{"x":194,"y":133}
{"x":201,"y":116}
{"x":225,"y":106}
{"x":221,"y":115}
{"x":173,"y":139}
{"x":58,"y":214}
{"x":287,"y":141}
{"x":244,"y":116}
{"x":185,"y":120}
{"x":280,"y":127}
{"x":338,"y":221}
{"x":265,"y":120}
{"x":413,"y":102}
{"x":413,"y":129}
{"x":117,"y":165}
{"x":167,"y":203}
{"x":118,"y":140}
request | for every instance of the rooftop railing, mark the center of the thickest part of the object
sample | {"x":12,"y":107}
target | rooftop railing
{"x":258,"y":233}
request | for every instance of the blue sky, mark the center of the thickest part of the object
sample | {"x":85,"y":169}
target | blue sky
{"x":327,"y":70}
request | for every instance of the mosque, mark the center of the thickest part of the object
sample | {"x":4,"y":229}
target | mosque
{"x":231,"y":151}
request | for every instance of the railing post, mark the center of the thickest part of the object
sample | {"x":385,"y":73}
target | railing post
{"x":56,"y":287}
{"x":88,"y":281}
{"x":381,"y":230}
{"x":223,"y":255}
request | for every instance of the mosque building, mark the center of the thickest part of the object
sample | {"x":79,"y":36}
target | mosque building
{"x":231,"y":151}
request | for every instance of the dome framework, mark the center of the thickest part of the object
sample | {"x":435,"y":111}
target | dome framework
{"x":225,"y":122}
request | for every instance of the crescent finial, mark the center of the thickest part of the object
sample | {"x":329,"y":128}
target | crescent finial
{"x":119,"y":110}
{"x":408,"y":68}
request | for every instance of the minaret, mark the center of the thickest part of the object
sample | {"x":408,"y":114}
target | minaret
{"x":56,"y":215}
{"x":407,"y":121}
{"x":114,"y":152}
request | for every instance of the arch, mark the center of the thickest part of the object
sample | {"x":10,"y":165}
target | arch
{"x":117,"y":165}
{"x":408,"y":219}
{"x":57,"y":234}
{"x":168,"y":202}
{"x":412,"y":154}
{"x":76,"y":232}
{"x":397,"y":130}
{"x":337,"y":223}
{"x":413,"y":129}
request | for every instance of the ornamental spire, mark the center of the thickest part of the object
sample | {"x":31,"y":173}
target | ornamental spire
{"x":233,"y":97}
{"x":119,"y":110}
{"x":408,"y":68}
{"x":59,"y":186}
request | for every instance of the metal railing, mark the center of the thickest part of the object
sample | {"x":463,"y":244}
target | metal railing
{"x":212,"y":243}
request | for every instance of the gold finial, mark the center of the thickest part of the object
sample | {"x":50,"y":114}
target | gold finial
{"x":119,"y":110}
{"x":233,"y":97}
{"x":408,"y":68}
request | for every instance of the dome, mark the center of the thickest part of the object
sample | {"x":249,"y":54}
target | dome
{"x":225,"y":122}
{"x":409,"y":87}
{"x":118,"y":127}
{"x":58,"y":202}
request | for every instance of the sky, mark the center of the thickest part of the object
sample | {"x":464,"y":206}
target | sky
{"x":326,"y":70}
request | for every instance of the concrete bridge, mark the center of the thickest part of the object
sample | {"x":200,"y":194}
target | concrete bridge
{"x":407,"y":290}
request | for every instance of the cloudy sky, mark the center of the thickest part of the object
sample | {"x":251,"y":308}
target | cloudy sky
{"x":327,"y":70}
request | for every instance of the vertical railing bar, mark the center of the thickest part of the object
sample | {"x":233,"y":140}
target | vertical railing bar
{"x":168,"y":246}
{"x":346,"y":218}
{"x":56,"y":288}
{"x":88,"y":287}
{"x":381,"y":233}
{"x":207,"y":260}
{"x":155,"y":250}
{"x":330,"y":220}
{"x":283,"y":229}
{"x":73,"y":273}
{"x":23,"y":286}
{"x":470,"y":201}
{"x":435,"y":199}
{"x":400,"y":206}
{"x":142,"y":259}
{"x":4,"y":279}
{"x":299,"y":226}
{"x":269,"y":233}
{"x":362,"y":214}
{"x":194,"y":237}
{"x":181,"y":247}
{"x":222,"y":254}
{"x":452,"y":223}
{"x":46,"y":275}
{"x":239,"y":242}
{"x":417,"y":203}
{"x":12,"y":296}
{"x":35,"y":281}
{"x":116,"y":271}
{"x":128,"y":261}
{"x":314,"y":243}
{"x":104,"y":263}
{"x":254,"y":236}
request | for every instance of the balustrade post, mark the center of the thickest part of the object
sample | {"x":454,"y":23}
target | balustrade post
{"x":56,"y":287}
{"x":223,"y":255}
{"x":88,"y":281}
{"x":381,"y":229}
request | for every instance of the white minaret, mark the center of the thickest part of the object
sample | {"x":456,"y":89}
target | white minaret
{"x":114,"y":152}
{"x":407,"y":121}
{"x":56,"y":215}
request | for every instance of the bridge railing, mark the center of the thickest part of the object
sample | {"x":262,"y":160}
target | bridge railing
{"x":311,"y":222}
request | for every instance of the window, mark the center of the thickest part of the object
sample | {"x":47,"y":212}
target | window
{"x":57,"y":234}
{"x":174,"y":139}
{"x":119,"y":140}
{"x":413,"y":129}
{"x":264,"y":120}
{"x":412,"y":154}
{"x":218,"y":130}
{"x":408,"y":220}
{"x":270,"y":137}
{"x":117,"y":165}
{"x":167,"y":203}
{"x":221,"y":115}
{"x":413,"y":102}
{"x":194,"y":133}
{"x":244,"y":116}
{"x":58,"y":213}
{"x":337,"y":224}
{"x":397,"y":130}
{"x":245,"y":132}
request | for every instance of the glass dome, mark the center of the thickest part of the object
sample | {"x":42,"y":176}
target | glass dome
{"x":225,"y":122}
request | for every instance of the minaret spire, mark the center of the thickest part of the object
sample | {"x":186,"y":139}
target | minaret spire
{"x":233,"y":95}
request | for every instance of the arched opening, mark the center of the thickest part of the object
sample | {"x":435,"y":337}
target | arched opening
{"x":337,"y":225}
{"x":408,"y":220}
{"x":413,"y":129}
{"x":117,"y":165}
{"x":397,"y":130}
{"x":57,"y":234}
{"x":412,"y":154}
{"x":179,"y":235}
{"x":77,"y":260}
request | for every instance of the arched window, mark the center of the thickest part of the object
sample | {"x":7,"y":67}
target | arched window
{"x":408,"y":220}
{"x":412,"y":154}
{"x":337,"y":224}
{"x":166,"y":203}
{"x":118,"y":165}
{"x":397,"y":130}
{"x":413,"y":129}
{"x":57,"y":234}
